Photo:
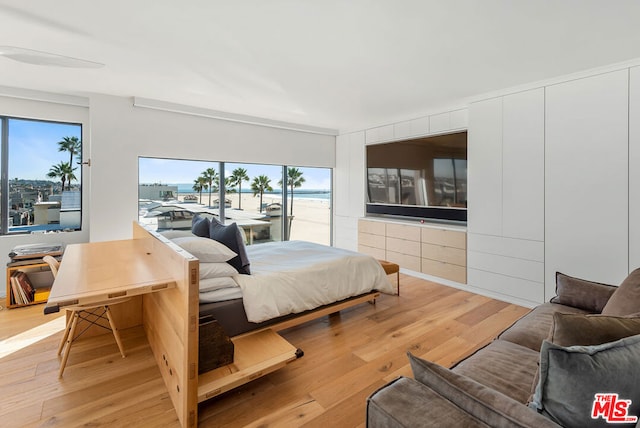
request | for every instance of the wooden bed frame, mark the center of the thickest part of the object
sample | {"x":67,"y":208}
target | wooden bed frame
{"x":170,"y":320}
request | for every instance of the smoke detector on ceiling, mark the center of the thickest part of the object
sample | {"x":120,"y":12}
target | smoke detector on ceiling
{"x":30,"y":56}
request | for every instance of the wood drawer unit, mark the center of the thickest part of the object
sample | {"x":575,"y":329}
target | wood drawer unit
{"x":444,"y":253}
{"x":448,"y":238}
{"x":371,"y":238}
{"x":456,"y":256}
{"x":402,"y":246}
{"x":378,"y":253}
{"x":371,"y":227}
{"x":405,"y":261}
{"x":405,"y":232}
{"x":445,"y":270}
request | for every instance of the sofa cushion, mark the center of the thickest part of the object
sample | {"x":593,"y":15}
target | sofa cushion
{"x":626,"y":299}
{"x":504,"y":366}
{"x":577,"y":383}
{"x":585,"y":330}
{"x":489,"y":406}
{"x":580,"y":293}
{"x":533,"y":328}
{"x":407,"y":403}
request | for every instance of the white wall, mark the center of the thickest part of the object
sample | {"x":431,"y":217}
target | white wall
{"x":120,"y":133}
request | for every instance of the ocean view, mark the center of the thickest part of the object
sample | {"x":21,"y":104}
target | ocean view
{"x":322,"y":194}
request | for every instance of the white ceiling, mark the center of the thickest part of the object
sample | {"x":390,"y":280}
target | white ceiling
{"x":342,"y":64}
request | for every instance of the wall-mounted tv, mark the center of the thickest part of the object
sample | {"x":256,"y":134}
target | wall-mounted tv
{"x":424,"y":178}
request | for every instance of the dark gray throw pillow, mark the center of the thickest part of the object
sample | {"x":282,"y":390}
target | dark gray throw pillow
{"x":230,"y":236}
{"x":580,"y":293}
{"x":590,"y":386}
{"x":586,"y":330}
{"x":200,"y":226}
{"x":488,"y":405}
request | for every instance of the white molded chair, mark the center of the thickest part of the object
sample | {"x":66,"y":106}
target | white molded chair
{"x":98,"y":314}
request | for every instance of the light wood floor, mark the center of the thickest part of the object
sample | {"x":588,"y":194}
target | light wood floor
{"x":347,"y":357}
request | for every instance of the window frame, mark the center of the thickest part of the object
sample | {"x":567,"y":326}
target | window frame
{"x":4,"y":173}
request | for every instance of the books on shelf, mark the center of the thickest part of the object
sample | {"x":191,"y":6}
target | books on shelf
{"x":22,"y":289}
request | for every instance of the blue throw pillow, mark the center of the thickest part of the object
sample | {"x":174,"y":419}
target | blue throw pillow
{"x":200,"y":226}
{"x":230,"y":236}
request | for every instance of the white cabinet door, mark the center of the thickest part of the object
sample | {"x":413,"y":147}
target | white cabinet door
{"x":484,"y":154}
{"x":634,"y":169}
{"x":357,"y":168}
{"x":586,"y":179}
{"x":341,"y":176}
{"x":523,"y":165}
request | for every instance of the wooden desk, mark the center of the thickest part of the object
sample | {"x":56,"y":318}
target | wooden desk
{"x":97,"y":272}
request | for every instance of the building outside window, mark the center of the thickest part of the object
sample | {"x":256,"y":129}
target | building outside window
{"x":41,"y":176}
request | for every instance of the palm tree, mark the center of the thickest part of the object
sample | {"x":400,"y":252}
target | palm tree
{"x":261,"y":184}
{"x":64,"y":172}
{"x":199,"y":184}
{"x":71,"y":145}
{"x":210,"y":177}
{"x":237,"y":177}
{"x":294,"y":179}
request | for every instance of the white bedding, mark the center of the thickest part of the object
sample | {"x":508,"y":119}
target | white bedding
{"x":295,"y":276}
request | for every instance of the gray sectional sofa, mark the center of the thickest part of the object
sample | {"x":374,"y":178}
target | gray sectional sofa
{"x":574,"y":361}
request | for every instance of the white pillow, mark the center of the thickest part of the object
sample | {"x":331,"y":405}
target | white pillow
{"x":212,"y":284}
{"x":205,"y":249}
{"x":173,"y":234}
{"x":216,"y":270}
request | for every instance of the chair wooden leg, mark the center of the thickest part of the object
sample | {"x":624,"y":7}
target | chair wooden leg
{"x":72,"y":331}
{"x":66,"y":334}
{"x":115,"y":331}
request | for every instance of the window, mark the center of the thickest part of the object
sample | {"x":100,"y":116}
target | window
{"x":253,"y":198}
{"x":41,"y":179}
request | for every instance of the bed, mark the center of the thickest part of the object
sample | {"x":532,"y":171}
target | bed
{"x":292,"y":278}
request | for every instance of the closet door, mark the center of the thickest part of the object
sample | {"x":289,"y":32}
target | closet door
{"x":523,"y":166}
{"x":484,"y":154}
{"x":586,"y":179}
{"x":634,"y":169}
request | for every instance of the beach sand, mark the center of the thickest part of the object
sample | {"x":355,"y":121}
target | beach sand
{"x":311,"y":217}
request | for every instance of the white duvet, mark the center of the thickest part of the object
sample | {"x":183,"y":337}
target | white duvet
{"x":295,"y":276}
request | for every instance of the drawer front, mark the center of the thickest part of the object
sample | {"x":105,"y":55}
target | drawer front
{"x":441,"y":253}
{"x":402,"y":246}
{"x":404,"y":260}
{"x":376,"y":241}
{"x":372,"y":227}
{"x":377,"y":253}
{"x":448,"y":238}
{"x":445,"y":270}
{"x":401,"y":231}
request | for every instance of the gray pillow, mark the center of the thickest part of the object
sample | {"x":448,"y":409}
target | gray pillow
{"x":573,"y":378}
{"x":200,"y":226}
{"x":626,"y":299}
{"x":230,"y":236}
{"x":586,"y":330}
{"x":490,"y":406}
{"x":580,"y":293}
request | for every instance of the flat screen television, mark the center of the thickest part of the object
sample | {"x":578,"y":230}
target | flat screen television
{"x":424,"y":178}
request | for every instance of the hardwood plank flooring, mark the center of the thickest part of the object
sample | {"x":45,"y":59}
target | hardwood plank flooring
{"x":347,"y":357}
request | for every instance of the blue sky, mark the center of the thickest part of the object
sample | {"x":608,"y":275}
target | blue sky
{"x":33,"y":147}
{"x":171,"y":171}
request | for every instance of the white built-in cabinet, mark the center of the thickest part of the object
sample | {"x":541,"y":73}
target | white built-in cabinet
{"x":506,"y":196}
{"x":587,"y":179}
{"x":349,"y":189}
{"x":634,"y":168}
